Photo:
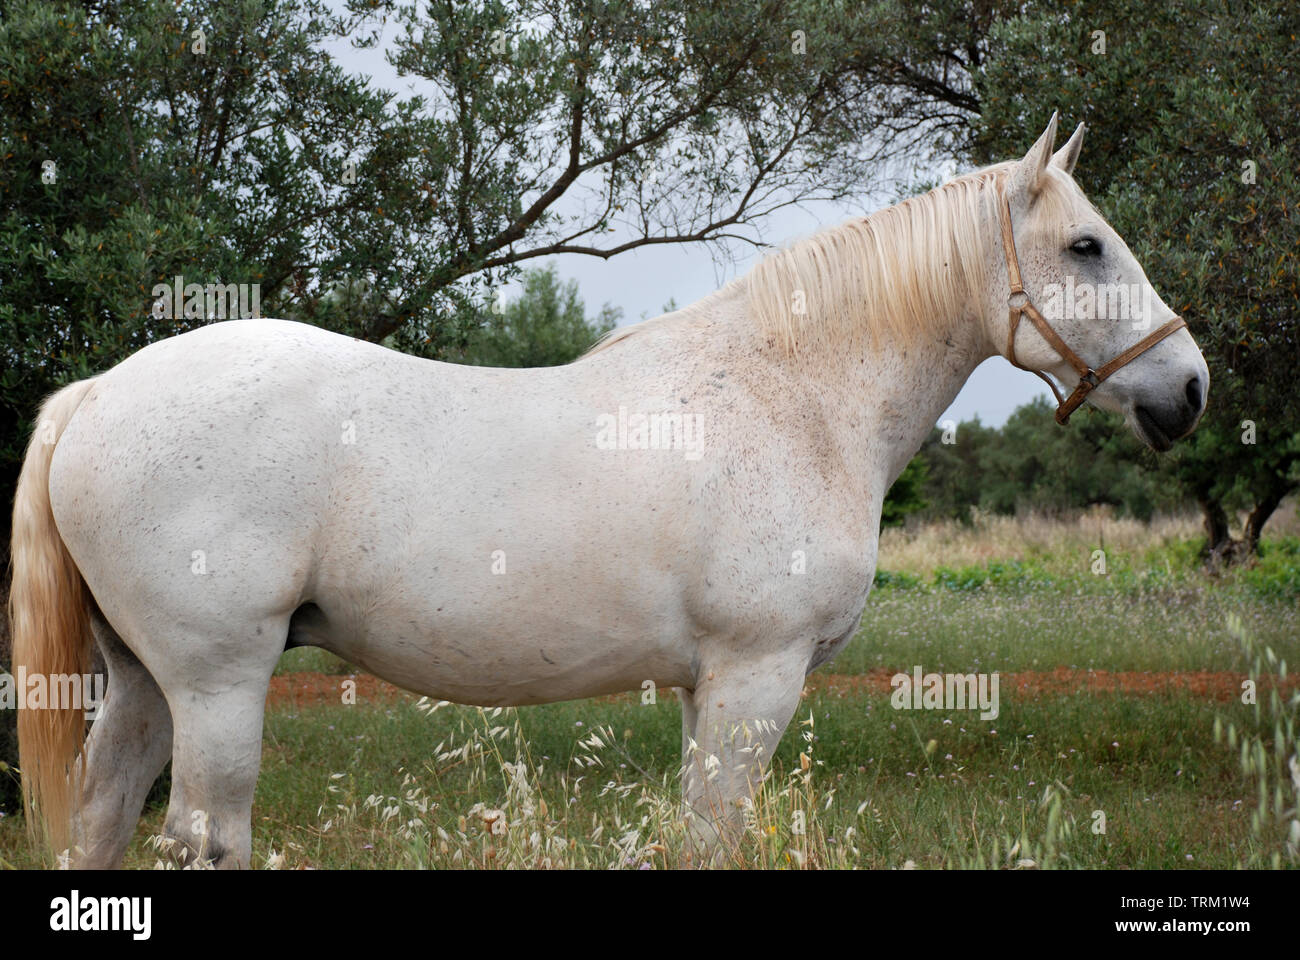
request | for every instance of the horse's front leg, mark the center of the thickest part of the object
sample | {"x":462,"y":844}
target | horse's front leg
{"x":732,"y":722}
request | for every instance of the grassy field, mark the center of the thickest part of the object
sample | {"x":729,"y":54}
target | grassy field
{"x":1151,"y":776}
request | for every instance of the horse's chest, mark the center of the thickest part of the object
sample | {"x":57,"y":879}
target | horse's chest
{"x":809,"y":598}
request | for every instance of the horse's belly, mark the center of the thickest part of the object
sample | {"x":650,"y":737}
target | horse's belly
{"x":444,"y":654}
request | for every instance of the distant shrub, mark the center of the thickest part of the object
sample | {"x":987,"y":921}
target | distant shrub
{"x":1179,"y":556}
{"x":1276,"y":572}
{"x":967,"y":578}
{"x":887,"y":580}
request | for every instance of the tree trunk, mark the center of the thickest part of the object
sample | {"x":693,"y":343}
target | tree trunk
{"x":1259,"y":516}
{"x":1220,"y":548}
{"x":1216,"y":524}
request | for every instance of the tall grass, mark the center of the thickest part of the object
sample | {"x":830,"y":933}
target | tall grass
{"x":485,"y":801}
{"x":1064,"y":544}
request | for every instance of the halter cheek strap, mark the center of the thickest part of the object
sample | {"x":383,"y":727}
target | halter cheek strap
{"x":1018,"y":303}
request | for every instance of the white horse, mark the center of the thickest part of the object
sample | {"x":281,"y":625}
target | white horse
{"x":696,"y":503}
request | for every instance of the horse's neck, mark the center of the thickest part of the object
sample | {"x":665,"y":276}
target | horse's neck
{"x":893,"y":394}
{"x":877,"y":400}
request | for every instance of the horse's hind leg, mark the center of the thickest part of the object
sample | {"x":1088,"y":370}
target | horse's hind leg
{"x":217,"y":751}
{"x":128,"y":746}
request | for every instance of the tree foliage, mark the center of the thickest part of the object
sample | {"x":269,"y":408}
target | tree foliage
{"x":906,"y":496}
{"x":1030,"y":463}
{"x":544,"y":326}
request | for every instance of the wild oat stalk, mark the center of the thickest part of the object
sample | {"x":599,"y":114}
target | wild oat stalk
{"x":1022,"y":851}
{"x":513,"y":822}
{"x":1268,"y":753}
{"x":785,"y":825}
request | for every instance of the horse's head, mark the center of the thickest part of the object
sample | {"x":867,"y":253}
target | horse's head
{"x":1118,"y":340}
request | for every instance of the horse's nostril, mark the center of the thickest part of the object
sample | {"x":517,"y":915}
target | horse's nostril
{"x":1194,"y":393}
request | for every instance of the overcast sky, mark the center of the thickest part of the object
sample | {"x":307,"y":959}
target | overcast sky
{"x":642,"y":281}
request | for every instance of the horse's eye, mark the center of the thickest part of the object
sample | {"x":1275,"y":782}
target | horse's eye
{"x":1087,"y":247}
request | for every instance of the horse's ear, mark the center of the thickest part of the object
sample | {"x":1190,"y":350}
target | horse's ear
{"x":1027,"y":178}
{"x":1068,"y":155}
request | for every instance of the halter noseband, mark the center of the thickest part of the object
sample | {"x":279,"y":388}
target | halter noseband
{"x":1088,"y":377}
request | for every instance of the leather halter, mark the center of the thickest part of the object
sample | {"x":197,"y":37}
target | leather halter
{"x":1088,"y":377}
